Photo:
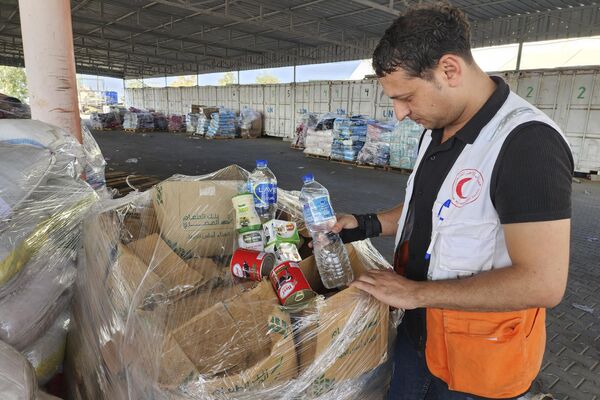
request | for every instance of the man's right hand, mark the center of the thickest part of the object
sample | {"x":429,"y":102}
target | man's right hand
{"x":344,"y":221}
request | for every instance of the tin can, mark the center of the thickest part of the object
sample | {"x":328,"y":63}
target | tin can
{"x":289,"y":283}
{"x":246,"y":217}
{"x":252,"y":240}
{"x":250,"y":264}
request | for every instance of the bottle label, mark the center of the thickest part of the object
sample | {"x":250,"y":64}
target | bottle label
{"x":321,"y":209}
{"x":265,"y":194}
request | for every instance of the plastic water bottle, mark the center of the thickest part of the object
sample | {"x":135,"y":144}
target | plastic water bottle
{"x":263,"y":185}
{"x":330,"y":254}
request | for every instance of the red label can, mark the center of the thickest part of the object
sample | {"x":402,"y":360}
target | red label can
{"x":290,"y":284}
{"x":250,"y":264}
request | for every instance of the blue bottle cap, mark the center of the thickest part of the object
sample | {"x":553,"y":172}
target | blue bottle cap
{"x":261,"y":163}
{"x":308,"y":178}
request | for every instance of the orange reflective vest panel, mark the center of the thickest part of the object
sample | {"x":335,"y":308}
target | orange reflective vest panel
{"x":489,"y":354}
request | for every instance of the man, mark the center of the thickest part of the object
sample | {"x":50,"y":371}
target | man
{"x":482,"y":238}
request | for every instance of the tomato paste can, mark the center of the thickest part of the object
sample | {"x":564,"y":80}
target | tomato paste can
{"x":250,"y":264}
{"x":290,"y":284}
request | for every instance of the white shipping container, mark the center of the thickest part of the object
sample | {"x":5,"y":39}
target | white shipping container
{"x":340,"y":97}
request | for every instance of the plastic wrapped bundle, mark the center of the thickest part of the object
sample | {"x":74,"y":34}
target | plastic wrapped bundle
{"x":158,"y":314}
{"x":202,"y":126}
{"x":319,"y":139}
{"x":191,"y":122}
{"x":404,"y":145}
{"x":222,"y":124}
{"x":160,"y":121}
{"x":109,"y":120}
{"x":17,"y":378}
{"x":307,"y":120}
{"x":349,"y":136}
{"x":43,"y":205}
{"x":250,"y":123}
{"x":46,"y":354}
{"x":376,"y":150}
{"x":13,"y":108}
{"x":176,"y":123}
{"x":138,"y":121}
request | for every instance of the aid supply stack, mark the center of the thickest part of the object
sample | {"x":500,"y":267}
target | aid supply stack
{"x":404,"y":146}
{"x":176,"y":123}
{"x":138,"y":120}
{"x":160,"y":121}
{"x":307,"y":120}
{"x":191,"y":122}
{"x":159,"y":314}
{"x":202,"y":125}
{"x":376,"y":150}
{"x":319,"y":139}
{"x":43,"y":201}
{"x":222,"y":124}
{"x":100,"y":121}
{"x":250,"y":123}
{"x":349,"y":136}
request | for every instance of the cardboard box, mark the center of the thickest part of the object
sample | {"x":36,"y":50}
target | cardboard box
{"x":177,"y":276}
{"x":236,"y":344}
{"x":196,"y":218}
{"x":255,"y":129}
{"x":326,"y":321}
{"x":207,"y":111}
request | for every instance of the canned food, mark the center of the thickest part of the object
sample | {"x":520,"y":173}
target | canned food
{"x":289,"y":283}
{"x":250,"y":264}
{"x":252,"y":240}
{"x":246,"y":217}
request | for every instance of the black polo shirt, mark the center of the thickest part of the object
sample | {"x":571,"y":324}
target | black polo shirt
{"x":531,"y":181}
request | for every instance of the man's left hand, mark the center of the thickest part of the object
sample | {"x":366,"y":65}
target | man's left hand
{"x":389,"y":288}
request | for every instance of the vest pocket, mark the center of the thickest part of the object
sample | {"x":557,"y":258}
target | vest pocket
{"x":465,"y":248}
{"x":486,"y":352}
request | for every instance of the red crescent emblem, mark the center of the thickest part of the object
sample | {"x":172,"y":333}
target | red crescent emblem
{"x":459,"y":187}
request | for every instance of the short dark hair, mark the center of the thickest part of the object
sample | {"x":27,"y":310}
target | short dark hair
{"x":418,"y":39}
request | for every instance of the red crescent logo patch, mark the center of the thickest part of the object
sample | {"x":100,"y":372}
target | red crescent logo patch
{"x":467,"y":187}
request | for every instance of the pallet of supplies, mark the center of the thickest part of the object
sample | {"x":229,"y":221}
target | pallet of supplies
{"x":159,"y":312}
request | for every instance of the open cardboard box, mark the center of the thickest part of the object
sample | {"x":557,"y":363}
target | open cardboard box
{"x":368,"y":348}
{"x":197,"y":218}
{"x":236,"y":345}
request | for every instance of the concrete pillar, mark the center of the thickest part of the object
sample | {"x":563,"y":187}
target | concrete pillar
{"x":50,"y":63}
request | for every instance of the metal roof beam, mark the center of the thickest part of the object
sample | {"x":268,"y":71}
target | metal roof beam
{"x":379,"y":7}
{"x":253,"y":23}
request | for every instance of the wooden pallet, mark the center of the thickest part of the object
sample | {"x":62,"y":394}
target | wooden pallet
{"x":137,"y":130}
{"x":296,"y":147}
{"x":373,"y":166}
{"x":320,"y":157}
{"x":396,"y":169}
{"x":345,"y":162}
{"x":122,"y":182}
{"x":220,"y":138}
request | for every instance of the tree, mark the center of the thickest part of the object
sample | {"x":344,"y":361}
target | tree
{"x":226,"y":79}
{"x":13,"y":82}
{"x":265,"y":79}
{"x":185,"y":80}
{"x":134,"y":84}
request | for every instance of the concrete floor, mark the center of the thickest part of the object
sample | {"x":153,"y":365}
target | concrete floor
{"x":571,"y":367}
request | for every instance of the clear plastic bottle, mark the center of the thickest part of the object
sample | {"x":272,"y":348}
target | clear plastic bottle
{"x":263,"y":185}
{"x":330,"y":254}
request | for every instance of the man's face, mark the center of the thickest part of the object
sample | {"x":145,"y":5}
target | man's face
{"x":424,"y":101}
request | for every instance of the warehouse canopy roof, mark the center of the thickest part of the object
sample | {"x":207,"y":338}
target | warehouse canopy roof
{"x":143,"y":38}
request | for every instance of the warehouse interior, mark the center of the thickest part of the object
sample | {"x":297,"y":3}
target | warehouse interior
{"x":133,"y":162}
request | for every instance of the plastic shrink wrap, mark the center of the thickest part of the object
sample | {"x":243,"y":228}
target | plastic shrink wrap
{"x":17,"y":378}
{"x":349,"y":136}
{"x":158,"y":315}
{"x":42,"y":203}
{"x":176,"y":123}
{"x":138,"y":120}
{"x":307,"y":120}
{"x":376,"y":150}
{"x":404,"y":145}
{"x":250,"y":123}
{"x":191,"y":122}
{"x":320,"y":138}
{"x":111,"y":120}
{"x":13,"y":108}
{"x":222,"y":124}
